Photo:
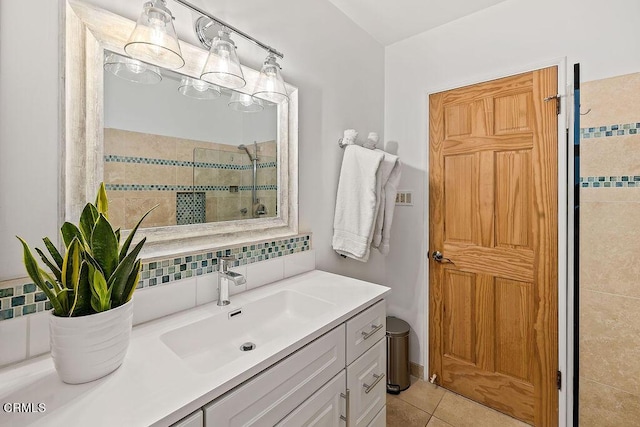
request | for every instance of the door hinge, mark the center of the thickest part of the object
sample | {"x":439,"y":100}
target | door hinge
{"x":557,"y":98}
{"x":559,"y":380}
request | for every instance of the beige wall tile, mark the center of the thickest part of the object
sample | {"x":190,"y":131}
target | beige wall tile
{"x":603,"y":406}
{"x":136,"y":173}
{"x":184,"y":175}
{"x":610,"y":247}
{"x":461,"y":412}
{"x":615,"y":155}
{"x":423,"y":395}
{"x":112,"y":195}
{"x":229,"y":209}
{"x":206,"y":176}
{"x":211,"y":209}
{"x":267,"y":149}
{"x":114,"y":173}
{"x":610,"y":339}
{"x":235,"y":157}
{"x":624,"y":194}
{"x":402,"y":414}
{"x":117,"y":213}
{"x":163,"y":215}
{"x":135,"y":144}
{"x":612,"y":101}
{"x":229,"y":177}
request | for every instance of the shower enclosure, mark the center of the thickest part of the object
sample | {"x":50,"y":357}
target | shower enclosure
{"x":607,"y":293}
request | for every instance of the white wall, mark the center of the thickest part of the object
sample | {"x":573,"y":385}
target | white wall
{"x":338,"y":68}
{"x":506,"y":38}
{"x":28,"y":127}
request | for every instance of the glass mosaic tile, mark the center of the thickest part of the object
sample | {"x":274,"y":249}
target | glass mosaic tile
{"x":26,"y":298}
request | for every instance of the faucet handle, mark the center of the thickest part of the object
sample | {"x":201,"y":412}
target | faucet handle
{"x":224,"y":262}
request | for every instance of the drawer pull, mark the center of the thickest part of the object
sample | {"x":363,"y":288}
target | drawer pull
{"x":368,"y":388}
{"x":346,"y":397}
{"x":374,"y":329}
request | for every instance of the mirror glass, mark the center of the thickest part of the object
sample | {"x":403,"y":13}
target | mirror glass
{"x":199,"y":160}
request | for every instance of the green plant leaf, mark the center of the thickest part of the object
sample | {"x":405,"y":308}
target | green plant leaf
{"x":55,"y":285}
{"x":69,"y":231}
{"x":100,"y":293}
{"x":33,"y":271}
{"x":53,"y":251}
{"x":102,"y":202}
{"x":120,"y":277}
{"x":132,"y":281}
{"x":127,"y":243}
{"x":118,"y":235}
{"x":54,"y":268}
{"x":88,"y":220}
{"x":104,"y":245}
{"x":71,"y":264}
{"x":82,"y":295}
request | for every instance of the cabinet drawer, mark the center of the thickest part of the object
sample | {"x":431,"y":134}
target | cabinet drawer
{"x":365,"y":329}
{"x":367,"y":385}
{"x":323,"y":409}
{"x":380,"y":420}
{"x":196,"y":419}
{"x":274,"y":393}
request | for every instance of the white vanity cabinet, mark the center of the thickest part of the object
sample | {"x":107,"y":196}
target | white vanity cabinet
{"x":366,"y":364}
{"x":273,"y":394}
{"x":196,"y":419}
{"x":338,"y":376}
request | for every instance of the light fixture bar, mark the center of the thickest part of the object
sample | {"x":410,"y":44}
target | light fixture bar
{"x":230,"y":27}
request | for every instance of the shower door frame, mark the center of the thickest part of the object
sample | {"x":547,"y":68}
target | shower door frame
{"x":565,"y":225}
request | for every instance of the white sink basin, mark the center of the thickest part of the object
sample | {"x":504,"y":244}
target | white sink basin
{"x":213,"y":342}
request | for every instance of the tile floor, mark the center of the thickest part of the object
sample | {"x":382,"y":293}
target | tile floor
{"x":424,"y":404}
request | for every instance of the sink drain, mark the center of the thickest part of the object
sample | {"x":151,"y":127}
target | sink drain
{"x":248,"y":346}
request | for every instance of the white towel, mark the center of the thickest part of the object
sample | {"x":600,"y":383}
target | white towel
{"x":382,"y":232}
{"x":357,"y":202}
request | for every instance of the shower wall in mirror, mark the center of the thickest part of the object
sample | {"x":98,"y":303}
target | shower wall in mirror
{"x":609,"y":252}
{"x":194,"y":158}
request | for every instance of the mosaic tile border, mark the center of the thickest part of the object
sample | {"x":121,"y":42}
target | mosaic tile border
{"x":610,"y":130}
{"x":161,"y":187}
{"x":25,"y":298}
{"x":610,"y":181}
{"x":165,"y":162}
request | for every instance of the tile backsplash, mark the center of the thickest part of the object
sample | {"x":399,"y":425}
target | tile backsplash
{"x":21,"y":297}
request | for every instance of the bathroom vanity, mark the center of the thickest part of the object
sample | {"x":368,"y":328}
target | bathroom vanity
{"x":309,"y":348}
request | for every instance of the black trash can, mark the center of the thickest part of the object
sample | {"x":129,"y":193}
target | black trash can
{"x":397,"y":355}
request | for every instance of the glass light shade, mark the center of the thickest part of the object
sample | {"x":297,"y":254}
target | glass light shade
{"x":154,"y":39}
{"x":245,"y":103}
{"x":270,"y":85}
{"x":132,"y":69}
{"x":194,"y":88}
{"x":222,"y":66}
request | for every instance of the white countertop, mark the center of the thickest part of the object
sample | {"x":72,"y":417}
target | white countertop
{"x":156,"y":387}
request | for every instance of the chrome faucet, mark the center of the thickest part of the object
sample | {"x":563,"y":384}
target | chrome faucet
{"x":224,"y":276}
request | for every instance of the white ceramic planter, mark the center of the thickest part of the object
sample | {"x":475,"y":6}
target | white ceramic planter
{"x":86,"y":348}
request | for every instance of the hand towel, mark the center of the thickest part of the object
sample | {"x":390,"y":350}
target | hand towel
{"x":357,"y":202}
{"x":387,"y":206}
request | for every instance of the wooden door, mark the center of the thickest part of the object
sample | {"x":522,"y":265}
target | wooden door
{"x":493,"y":214}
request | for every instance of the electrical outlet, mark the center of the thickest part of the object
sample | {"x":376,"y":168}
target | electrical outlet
{"x":404,"y":198}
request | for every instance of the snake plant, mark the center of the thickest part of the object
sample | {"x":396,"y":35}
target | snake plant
{"x":96,"y":273}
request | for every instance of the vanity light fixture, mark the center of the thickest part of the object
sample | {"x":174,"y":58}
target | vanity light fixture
{"x":245,"y":103}
{"x":154,"y":38}
{"x":131,"y":69}
{"x":198,"y":89}
{"x":223,"y":66}
{"x":270,"y":85}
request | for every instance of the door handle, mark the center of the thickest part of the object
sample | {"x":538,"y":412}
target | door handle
{"x":438,"y":257}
